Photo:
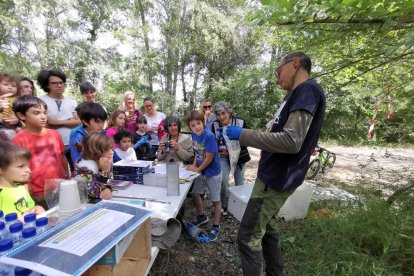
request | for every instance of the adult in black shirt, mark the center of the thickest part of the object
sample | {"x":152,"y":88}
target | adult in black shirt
{"x":286,"y":149}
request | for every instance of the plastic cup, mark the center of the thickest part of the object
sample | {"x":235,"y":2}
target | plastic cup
{"x":69,"y":199}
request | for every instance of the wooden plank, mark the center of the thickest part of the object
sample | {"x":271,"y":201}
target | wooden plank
{"x":136,"y":258}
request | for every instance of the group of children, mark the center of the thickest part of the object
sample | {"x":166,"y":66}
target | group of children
{"x":36,"y":153}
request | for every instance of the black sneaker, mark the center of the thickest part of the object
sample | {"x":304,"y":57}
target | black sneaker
{"x":200,"y":220}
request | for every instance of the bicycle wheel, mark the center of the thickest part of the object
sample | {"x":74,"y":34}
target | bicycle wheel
{"x":313,"y":170}
{"x":329,"y":162}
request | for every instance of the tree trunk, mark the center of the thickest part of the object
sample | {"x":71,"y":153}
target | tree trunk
{"x":183,"y":81}
{"x":193,"y":97}
{"x":169,"y":65}
{"x":210,"y":82}
{"x":175,"y":73}
{"x":147,"y":47}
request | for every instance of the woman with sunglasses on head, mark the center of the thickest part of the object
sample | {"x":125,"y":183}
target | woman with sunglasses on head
{"x":206,"y":108}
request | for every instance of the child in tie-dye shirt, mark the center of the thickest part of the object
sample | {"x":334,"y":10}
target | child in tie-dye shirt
{"x":95,"y":167}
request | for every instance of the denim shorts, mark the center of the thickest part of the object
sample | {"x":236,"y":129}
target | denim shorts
{"x":213,"y":184}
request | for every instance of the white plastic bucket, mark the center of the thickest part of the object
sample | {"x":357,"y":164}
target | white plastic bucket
{"x":297,"y":204}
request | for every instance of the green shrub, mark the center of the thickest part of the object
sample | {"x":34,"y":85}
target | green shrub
{"x":370,"y":238}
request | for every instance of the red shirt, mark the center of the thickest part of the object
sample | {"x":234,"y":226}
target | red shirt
{"x":47,"y":160}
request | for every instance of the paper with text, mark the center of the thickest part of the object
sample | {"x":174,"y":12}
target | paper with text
{"x":80,"y":237}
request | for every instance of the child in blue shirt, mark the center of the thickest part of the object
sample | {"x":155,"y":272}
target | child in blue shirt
{"x":207,"y":163}
{"x":93,"y":117}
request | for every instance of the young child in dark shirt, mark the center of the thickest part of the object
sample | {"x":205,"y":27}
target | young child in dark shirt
{"x":142,"y":140}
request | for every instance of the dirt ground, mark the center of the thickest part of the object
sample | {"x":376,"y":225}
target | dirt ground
{"x":380,"y":167}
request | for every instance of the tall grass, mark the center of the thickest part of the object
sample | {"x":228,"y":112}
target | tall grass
{"x":370,"y":238}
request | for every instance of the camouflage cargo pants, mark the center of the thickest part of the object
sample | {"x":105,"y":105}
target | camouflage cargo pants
{"x":258,"y":237}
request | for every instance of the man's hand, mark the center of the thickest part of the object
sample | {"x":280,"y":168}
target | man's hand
{"x":233,"y":132}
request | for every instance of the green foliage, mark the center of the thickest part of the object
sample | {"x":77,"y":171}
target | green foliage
{"x":371,"y":238}
{"x":181,"y":52}
{"x":251,"y":94}
{"x":358,"y":48}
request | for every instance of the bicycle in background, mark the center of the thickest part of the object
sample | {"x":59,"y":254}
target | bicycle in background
{"x":323,"y":162}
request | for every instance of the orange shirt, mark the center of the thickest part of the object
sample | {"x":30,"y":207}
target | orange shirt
{"x":47,"y":160}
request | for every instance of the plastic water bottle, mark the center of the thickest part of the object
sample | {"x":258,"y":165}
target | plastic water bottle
{"x":10,"y":219}
{"x":29,"y":220}
{"x":42,"y":225}
{"x":4,"y":233}
{"x":16,"y":233}
{"x":21,"y":271}
{"x":28,"y":234}
{"x":2,"y":216}
{"x":5,"y":245}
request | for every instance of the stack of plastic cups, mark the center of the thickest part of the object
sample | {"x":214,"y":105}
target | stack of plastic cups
{"x":69,"y":199}
{"x":5,"y":245}
{"x":16,"y":233}
{"x":29,"y":221}
{"x":4,"y":233}
{"x":42,"y":225}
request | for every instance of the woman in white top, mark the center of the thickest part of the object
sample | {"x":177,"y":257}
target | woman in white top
{"x":154,"y":119}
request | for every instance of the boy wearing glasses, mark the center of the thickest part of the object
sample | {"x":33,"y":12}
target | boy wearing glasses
{"x":286,"y":150}
{"x":61,"y":114}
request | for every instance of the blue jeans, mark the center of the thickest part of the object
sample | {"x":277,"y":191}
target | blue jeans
{"x":238,"y":179}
